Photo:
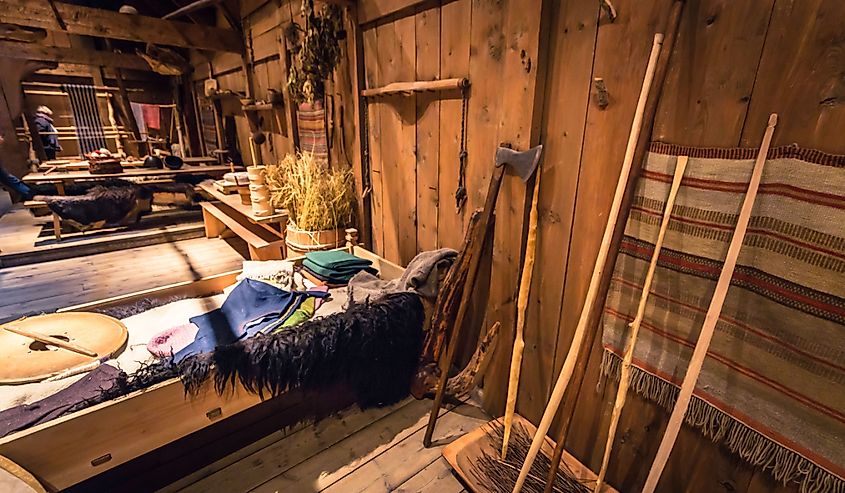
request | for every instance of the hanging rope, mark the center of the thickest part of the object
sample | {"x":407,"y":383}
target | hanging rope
{"x":86,"y":116}
{"x":461,"y":192}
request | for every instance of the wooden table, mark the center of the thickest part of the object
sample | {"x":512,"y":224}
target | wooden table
{"x":60,"y":165}
{"x":63,"y":178}
{"x":233,"y":200}
{"x":227,"y":210}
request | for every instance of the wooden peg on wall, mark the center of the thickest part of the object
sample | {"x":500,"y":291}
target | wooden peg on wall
{"x":602,"y":98}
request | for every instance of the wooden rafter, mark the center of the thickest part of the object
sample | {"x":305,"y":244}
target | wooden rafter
{"x":108,"y":24}
{"x":78,"y":56}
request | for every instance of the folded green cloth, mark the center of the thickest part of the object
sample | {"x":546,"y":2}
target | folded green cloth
{"x":336,"y":259}
{"x":304,"y":312}
{"x":335,"y":266}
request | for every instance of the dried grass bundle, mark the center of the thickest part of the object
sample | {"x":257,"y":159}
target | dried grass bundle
{"x":317,"y":198}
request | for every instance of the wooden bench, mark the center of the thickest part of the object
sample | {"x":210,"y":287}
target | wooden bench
{"x":57,"y":221}
{"x":221,"y":220}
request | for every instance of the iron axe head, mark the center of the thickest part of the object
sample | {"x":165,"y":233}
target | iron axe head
{"x":523,"y":163}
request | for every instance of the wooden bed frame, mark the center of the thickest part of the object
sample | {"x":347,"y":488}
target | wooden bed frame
{"x":75,"y":448}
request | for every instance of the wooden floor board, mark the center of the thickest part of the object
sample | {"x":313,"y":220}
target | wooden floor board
{"x":378,"y":450}
{"x":47,"y":286}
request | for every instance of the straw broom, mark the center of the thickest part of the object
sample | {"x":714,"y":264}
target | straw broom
{"x":622,"y":391}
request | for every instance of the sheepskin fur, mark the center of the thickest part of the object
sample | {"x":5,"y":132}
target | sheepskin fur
{"x":372,"y":347}
{"x":119,"y":204}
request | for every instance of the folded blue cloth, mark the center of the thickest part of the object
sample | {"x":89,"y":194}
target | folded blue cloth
{"x":250,"y":308}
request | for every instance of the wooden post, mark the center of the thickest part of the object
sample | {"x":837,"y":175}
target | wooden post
{"x":126,"y":104}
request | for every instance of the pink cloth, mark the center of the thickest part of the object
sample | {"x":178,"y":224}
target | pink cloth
{"x":172,"y":340}
{"x":319,"y":300}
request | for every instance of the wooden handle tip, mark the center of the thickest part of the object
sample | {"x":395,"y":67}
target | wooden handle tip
{"x":658,"y":38}
{"x":773,"y":119}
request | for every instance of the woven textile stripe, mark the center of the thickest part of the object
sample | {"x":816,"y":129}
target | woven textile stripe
{"x":86,"y":117}
{"x":311,"y":120}
{"x":771,"y":388}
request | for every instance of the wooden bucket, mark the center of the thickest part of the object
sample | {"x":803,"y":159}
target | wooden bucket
{"x":300,"y":242}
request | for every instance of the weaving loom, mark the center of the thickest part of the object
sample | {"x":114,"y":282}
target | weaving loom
{"x":86,"y":116}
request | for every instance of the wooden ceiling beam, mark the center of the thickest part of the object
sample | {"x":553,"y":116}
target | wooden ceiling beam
{"x":77,"y":56}
{"x":108,"y":24}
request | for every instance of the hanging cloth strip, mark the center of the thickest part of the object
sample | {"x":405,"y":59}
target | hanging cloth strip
{"x":86,"y":117}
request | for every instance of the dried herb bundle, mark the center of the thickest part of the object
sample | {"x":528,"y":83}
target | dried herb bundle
{"x":499,"y":476}
{"x":316,"y":52}
{"x":317,"y":198}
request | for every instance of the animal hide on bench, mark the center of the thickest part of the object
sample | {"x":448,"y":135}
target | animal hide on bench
{"x":371,"y":347}
{"x":115,"y":202}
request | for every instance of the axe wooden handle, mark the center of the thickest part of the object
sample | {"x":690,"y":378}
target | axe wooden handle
{"x":521,"y":306}
{"x":622,"y":391}
{"x":713,"y":312}
{"x":472,"y":272}
{"x":598,"y":270}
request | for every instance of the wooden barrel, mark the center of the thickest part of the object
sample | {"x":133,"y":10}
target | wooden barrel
{"x":300,"y":242}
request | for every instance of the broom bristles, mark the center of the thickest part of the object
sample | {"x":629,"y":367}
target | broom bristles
{"x":499,"y":476}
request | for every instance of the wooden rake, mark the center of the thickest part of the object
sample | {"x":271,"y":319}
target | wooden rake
{"x":713,"y":312}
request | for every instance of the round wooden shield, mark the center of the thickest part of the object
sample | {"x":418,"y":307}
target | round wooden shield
{"x":28,"y":360}
{"x":15,"y":479}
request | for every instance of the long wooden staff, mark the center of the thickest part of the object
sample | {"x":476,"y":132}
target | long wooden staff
{"x":713,"y":312}
{"x":622,"y":391}
{"x":598,"y":269}
{"x":521,"y":306}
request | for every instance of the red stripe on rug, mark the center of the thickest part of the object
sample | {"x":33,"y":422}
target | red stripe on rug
{"x":743,"y":418}
{"x":781,"y":189}
{"x":759,"y":231}
{"x":741,"y":325}
{"x":818,"y":406}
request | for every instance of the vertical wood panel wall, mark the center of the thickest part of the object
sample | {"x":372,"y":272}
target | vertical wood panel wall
{"x":264,"y":23}
{"x":532,"y":65}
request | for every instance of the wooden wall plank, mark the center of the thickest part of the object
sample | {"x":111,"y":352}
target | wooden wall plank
{"x":622,"y":50}
{"x":396,"y":54}
{"x":705,"y":99}
{"x":515,"y":125}
{"x":454,"y":62}
{"x":372,"y":72}
{"x":573,"y":39}
{"x":427,"y":129}
{"x":800,"y":77}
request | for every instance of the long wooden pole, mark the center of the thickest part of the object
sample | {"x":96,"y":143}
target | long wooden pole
{"x":713,"y":312}
{"x":582,"y":361}
{"x":592,"y":291}
{"x":521,"y":307}
{"x":622,"y":391}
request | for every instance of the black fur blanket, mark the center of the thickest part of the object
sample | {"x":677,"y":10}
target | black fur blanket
{"x":115,"y":202}
{"x":372,"y":347}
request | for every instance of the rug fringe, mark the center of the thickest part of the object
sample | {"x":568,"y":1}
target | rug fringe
{"x":785,"y":465}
